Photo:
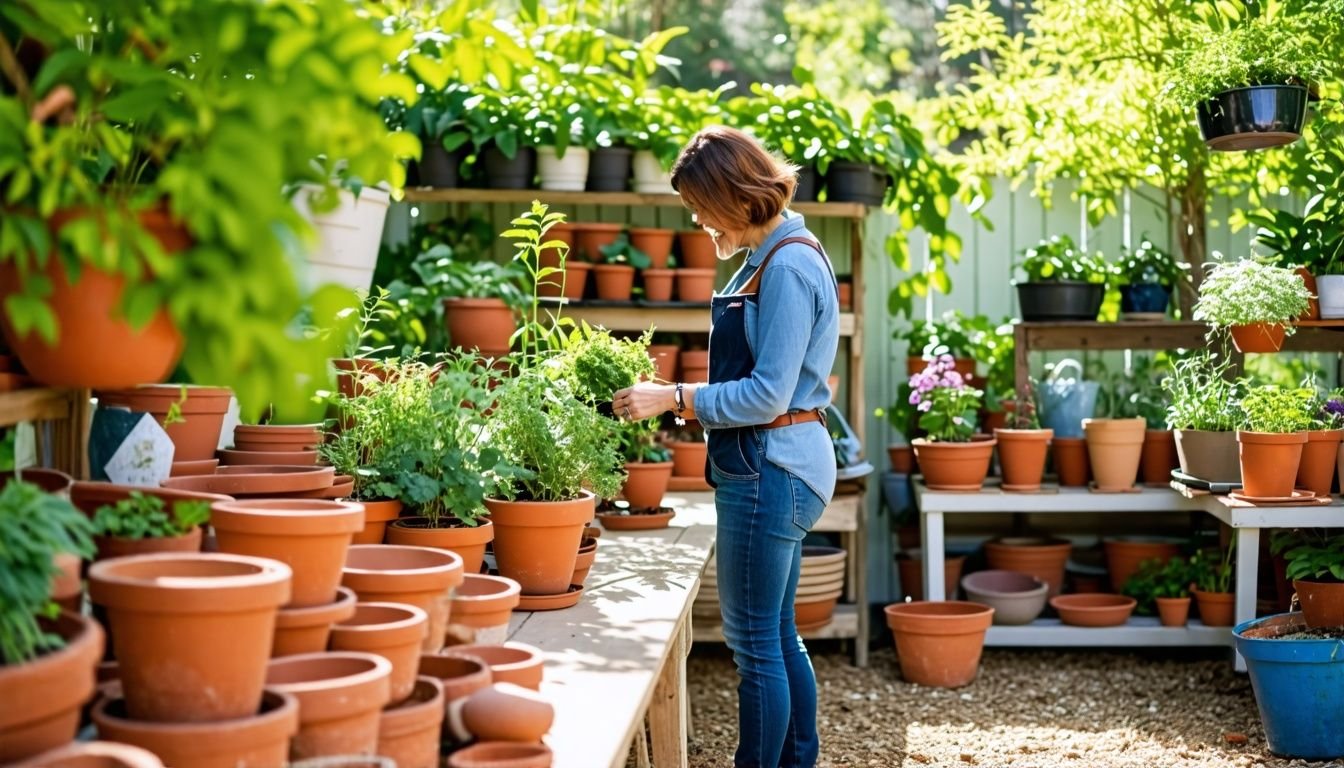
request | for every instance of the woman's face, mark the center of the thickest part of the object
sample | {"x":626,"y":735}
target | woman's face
{"x":727,"y":241}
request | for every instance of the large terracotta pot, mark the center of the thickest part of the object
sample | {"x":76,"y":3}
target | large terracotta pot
{"x":418,"y":576}
{"x":196,"y":437}
{"x":688,"y":457}
{"x":455,"y":536}
{"x":1216,"y":609}
{"x":536,"y":543}
{"x":697,"y":249}
{"x":1069,"y":455}
{"x":1114,"y":447}
{"x":939,"y":643}
{"x":409,"y":732}
{"x":192,"y":632}
{"x":1159,"y":456}
{"x":485,"y":603}
{"x":309,"y":535}
{"x":377,"y":514}
{"x":954,"y":466}
{"x":1124,"y":555}
{"x":257,"y":740}
{"x":394,"y":631}
{"x":614,"y":281}
{"x":307,"y":630}
{"x":42,"y":698}
{"x":591,"y":237}
{"x":52,"y":481}
{"x":96,"y":346}
{"x":1258,"y":337}
{"x":1269,"y":462}
{"x":1316,"y":470}
{"x":1040,"y":557}
{"x":1022,"y":454}
{"x":341,"y":696}
{"x":1322,"y":602}
{"x":910,"y":566}
{"x":655,"y":243}
{"x":484,"y":324}
{"x":646,"y":483}
{"x":1209,"y":456}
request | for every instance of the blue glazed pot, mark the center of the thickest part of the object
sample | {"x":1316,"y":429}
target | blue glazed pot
{"x":1299,"y":687}
{"x":1144,"y":297}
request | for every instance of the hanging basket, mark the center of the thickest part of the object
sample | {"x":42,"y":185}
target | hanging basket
{"x":1255,"y":117}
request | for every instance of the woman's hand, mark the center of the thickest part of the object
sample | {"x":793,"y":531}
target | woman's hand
{"x":644,"y":400}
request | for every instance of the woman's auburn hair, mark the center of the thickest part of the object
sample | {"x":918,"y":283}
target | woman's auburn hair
{"x":727,"y":173}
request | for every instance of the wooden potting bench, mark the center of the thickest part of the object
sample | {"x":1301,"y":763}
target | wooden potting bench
{"x":618,"y":658}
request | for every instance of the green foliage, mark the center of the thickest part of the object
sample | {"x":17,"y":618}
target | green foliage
{"x":947,"y":405}
{"x":1211,"y":571}
{"x":639,"y":442}
{"x":146,"y":517}
{"x":1260,"y":52}
{"x":1246,"y":291}
{"x":1156,"y":579}
{"x":621,"y":251}
{"x":1314,"y":239}
{"x":1151,"y":264}
{"x":798,"y":121}
{"x":1269,"y":408}
{"x":1057,"y":258}
{"x":1203,"y":394}
{"x":1137,"y":392}
{"x":596,"y":364}
{"x":34,"y":527}
{"x":1312,"y":554}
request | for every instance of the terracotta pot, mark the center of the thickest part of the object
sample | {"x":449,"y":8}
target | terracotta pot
{"x":695,"y":365}
{"x":484,"y":603}
{"x":655,"y":243}
{"x":1322,"y":602}
{"x":309,"y":535}
{"x":507,"y":712}
{"x":954,"y":466}
{"x":1216,"y":609}
{"x":664,"y":358}
{"x":637,"y":521}
{"x":1258,"y":337}
{"x":1093,"y":610}
{"x":418,"y":576}
{"x":1159,"y":456}
{"x":939,"y":644}
{"x":515,"y":663}
{"x":1269,"y":462}
{"x":845,"y":293}
{"x":41,"y":705}
{"x":191,"y":632}
{"x":257,"y":740}
{"x":240,"y":458}
{"x":484,"y":324}
{"x":1017,"y":598}
{"x":52,"y":481}
{"x":1316,"y":469}
{"x":409,"y":732}
{"x":351,"y":373}
{"x":584,"y":563}
{"x":1071,"y":461}
{"x":257,"y":480}
{"x":1173,"y":611}
{"x":646,"y":483}
{"x":536,"y":543}
{"x":377,"y":514}
{"x":1124,"y":555}
{"x":460,"y":676}
{"x":963,"y":365}
{"x":575,"y":281}
{"x":1211,"y":456}
{"x":1313,"y":311}
{"x":1114,"y":447}
{"x":340,"y":697}
{"x":1043,"y":558}
{"x":501,"y":754}
{"x":658,"y":283}
{"x":910,"y":566}
{"x":307,"y":630}
{"x":614,"y":281}
{"x":695,"y":286}
{"x":815,"y":611}
{"x":187,"y":468}
{"x":391,"y":630}
{"x":67,"y":588}
{"x":592,"y":236}
{"x":120,"y":546}
{"x":1022,"y":455}
{"x":281,"y":438}
{"x":697,"y":249}
{"x":688,"y":457}
{"x":902,"y":458}
{"x":94,"y":754}
{"x":96,"y":346}
{"x":467,"y":541}
{"x":196,"y":437}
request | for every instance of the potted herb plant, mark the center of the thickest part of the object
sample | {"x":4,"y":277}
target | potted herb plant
{"x":1211,"y":575}
{"x":1203,"y":412}
{"x":615,"y":276}
{"x":1255,"y":301}
{"x":481,"y":300}
{"x":1272,"y":433}
{"x":1315,"y":564}
{"x":951,"y":456}
{"x":504,"y":139}
{"x":648,"y":470}
{"x":439,"y":118}
{"x":1023,"y":446}
{"x":1147,"y":275}
{"x":143,"y":523}
{"x":1316,"y":470}
{"x":563,"y":119}
{"x":1164,"y":587}
{"x":1063,"y":282}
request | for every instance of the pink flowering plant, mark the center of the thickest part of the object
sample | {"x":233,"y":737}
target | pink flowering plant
{"x":946,"y":403}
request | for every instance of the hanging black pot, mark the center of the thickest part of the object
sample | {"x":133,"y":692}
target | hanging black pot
{"x":1144,"y":298}
{"x":806,"y":191}
{"x":438,"y":167}
{"x":609,"y":169}
{"x":504,"y":173}
{"x":1058,"y":300}
{"x":855,"y":183}
{"x":1254,"y":117}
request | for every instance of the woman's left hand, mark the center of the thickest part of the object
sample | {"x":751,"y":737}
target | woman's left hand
{"x":644,"y":400}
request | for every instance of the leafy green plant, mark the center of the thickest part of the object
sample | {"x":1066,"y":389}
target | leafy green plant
{"x":1058,"y":258}
{"x":35,"y":526}
{"x":1259,"y":52}
{"x":666,"y":118}
{"x":639,"y":442}
{"x":1202,"y":393}
{"x":597,"y":364}
{"x":1156,"y":579}
{"x":949,"y":335}
{"x":1247,"y":291}
{"x":621,"y":251}
{"x":1135,"y":393}
{"x":948,"y":406}
{"x":1314,"y":239}
{"x":1273,"y":409}
{"x":477,"y":279}
{"x":1312,"y":554}
{"x":798,"y":121}
{"x":1026,"y":413}
{"x":1211,"y":570}
{"x":1149,"y":264}
{"x":147,"y":517}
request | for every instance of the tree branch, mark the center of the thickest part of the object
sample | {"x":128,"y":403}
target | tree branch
{"x":9,"y":64}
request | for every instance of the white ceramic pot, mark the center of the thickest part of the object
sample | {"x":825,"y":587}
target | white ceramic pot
{"x":650,"y":178}
{"x":348,"y":237}
{"x":1330,"y":291}
{"x":568,"y":173}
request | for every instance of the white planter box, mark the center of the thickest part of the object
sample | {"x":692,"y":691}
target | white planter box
{"x":348,"y":238}
{"x":568,"y":173}
{"x":650,"y":178}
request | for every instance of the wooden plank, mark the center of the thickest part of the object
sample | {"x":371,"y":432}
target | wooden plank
{"x":635,"y":317}
{"x":842,"y":514}
{"x":633,"y":199}
{"x":36,"y":405}
{"x":669,"y":709}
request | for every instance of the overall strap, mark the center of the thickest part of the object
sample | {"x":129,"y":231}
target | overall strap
{"x":753,"y":284}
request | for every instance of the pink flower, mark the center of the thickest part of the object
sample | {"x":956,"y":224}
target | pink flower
{"x":925,"y":406}
{"x":914,"y":398}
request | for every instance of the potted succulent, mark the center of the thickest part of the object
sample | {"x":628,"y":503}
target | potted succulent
{"x":952,"y":456}
{"x":1164,"y":587}
{"x":1147,"y":275}
{"x":1272,"y":433}
{"x":1211,"y":575}
{"x":480,"y":304}
{"x":143,"y":523}
{"x":615,"y":276}
{"x":1023,"y":446}
{"x":1063,"y":282}
{"x":1255,"y":301}
{"x":1203,"y":412}
{"x":1315,"y":564}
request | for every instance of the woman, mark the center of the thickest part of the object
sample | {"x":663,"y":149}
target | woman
{"x":773,"y":339}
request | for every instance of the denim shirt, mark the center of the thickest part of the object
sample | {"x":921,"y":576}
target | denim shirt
{"x":793,"y":329}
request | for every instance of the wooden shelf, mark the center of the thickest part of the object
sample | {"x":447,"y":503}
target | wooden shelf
{"x":68,"y":411}
{"x":36,"y":405}
{"x":688,"y":319}
{"x":1139,"y":631}
{"x":553,"y":198}
{"x":841,"y":515}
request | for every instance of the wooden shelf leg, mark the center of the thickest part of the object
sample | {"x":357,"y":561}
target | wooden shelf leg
{"x":668,"y":710}
{"x":1247,"y":580}
{"x":932,"y":534}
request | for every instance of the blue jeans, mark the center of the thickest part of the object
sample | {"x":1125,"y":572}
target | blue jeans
{"x":763,"y":512}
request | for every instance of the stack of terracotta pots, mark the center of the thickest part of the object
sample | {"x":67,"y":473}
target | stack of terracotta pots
{"x":268,"y":481}
{"x":272,"y":444}
{"x":492,"y":698}
{"x":420,"y":577}
{"x":695,"y":365}
{"x":821,"y":581}
{"x":196,"y":436}
{"x":484,"y":603}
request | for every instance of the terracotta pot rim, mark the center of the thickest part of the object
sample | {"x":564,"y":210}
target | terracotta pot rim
{"x":652,"y":231}
{"x":1325,"y":435}
{"x":510,"y":649}
{"x":379,"y":510}
{"x":1002,"y":433}
{"x":416,"y":713}
{"x":476,"y":666}
{"x":96,"y":753}
{"x":287,"y":517}
{"x":552,"y":514}
{"x":272,"y":429}
{"x":976,"y":441}
{"x":338,"y":610}
{"x":260,"y":583}
{"x":1040,"y":586}
{"x":1214,"y":597}
{"x":647,"y":466}
{"x":696,"y":271}
{"x":1091,"y":602}
{"x":459,"y":301}
{"x":597,"y":226}
{"x":501,"y":588}
{"x":200,"y":399}
{"x":946,"y":618}
{"x":613,"y":268}
{"x":412,"y":617}
{"x":490,"y":753}
{"x":327,"y":694}
{"x":449,"y":564}
{"x":483,"y":530}
{"x":277,"y":720}
{"x":1271,"y":438}
{"x":83,"y":647}
{"x":1172,"y":600}
{"x":82,"y":490}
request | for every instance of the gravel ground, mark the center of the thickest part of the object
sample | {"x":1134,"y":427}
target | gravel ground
{"x":1027,"y":709}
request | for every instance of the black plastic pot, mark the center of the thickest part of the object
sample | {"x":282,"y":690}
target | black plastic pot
{"x":1057,"y":300}
{"x":806,"y":191}
{"x":439,"y":167}
{"x":503,"y":173}
{"x":855,"y":183}
{"x":1254,"y":117}
{"x":609,"y":169}
{"x":1145,"y":298}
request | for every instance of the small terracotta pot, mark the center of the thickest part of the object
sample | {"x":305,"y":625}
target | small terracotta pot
{"x":910,"y":567}
{"x":1316,"y":469}
{"x":1216,"y":609}
{"x":455,"y":536}
{"x":695,"y":286}
{"x":1022,"y":455}
{"x":277,"y":438}
{"x":391,"y":630}
{"x":515,"y":663}
{"x":954,"y":466}
{"x":307,"y":630}
{"x":590,"y":238}
{"x":1114,"y":447}
{"x":664,"y":358}
{"x":484,"y":324}
{"x":1125,"y":554}
{"x":409,"y":732}
{"x":1093,"y":610}
{"x":902,"y":459}
{"x":1173,"y":611}
{"x":1269,"y":462}
{"x":614,"y":281}
{"x":584,"y":563}
{"x":418,"y":576}
{"x":507,"y":712}
{"x":120,"y":546}
{"x":1159,"y":456}
{"x":41,"y":705}
{"x":340,"y":695}
{"x":646,"y":483}
{"x":1211,"y":456}
{"x":1322,"y":602}
{"x":52,"y":481}
{"x":196,"y":436}
{"x":253,"y":741}
{"x":501,"y":754}
{"x":658,"y":283}
{"x":695,"y":365}
{"x":1043,"y":558}
{"x":484,"y":603}
{"x":845,"y":293}
{"x":460,"y":676}
{"x":1258,"y":337}
{"x":240,"y":458}
{"x":94,"y":754}
{"x":939,"y":643}
{"x":377,"y":514}
{"x":1071,"y":461}
{"x":688,"y":457}
{"x":192,"y":632}
{"x":697,"y":249}
{"x":655,"y":243}
{"x":311,"y":536}
{"x":536,"y":543}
